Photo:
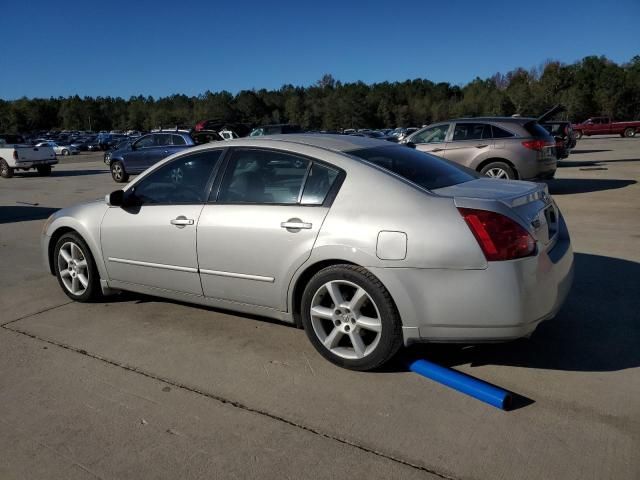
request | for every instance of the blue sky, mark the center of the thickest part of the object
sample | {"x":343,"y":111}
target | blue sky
{"x":158,"y":48}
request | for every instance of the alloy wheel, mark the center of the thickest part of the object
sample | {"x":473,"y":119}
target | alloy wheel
{"x":497,"y":172}
{"x":116,"y":169}
{"x":73,"y":268}
{"x":346,"y":319}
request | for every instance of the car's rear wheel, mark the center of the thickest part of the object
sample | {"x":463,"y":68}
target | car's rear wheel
{"x":350,"y":317}
{"x":44,"y":170}
{"x":118,"y":173}
{"x":75,"y":268}
{"x":5,"y":170}
{"x":630,"y":132}
{"x":578,"y":134}
{"x":498,"y":170}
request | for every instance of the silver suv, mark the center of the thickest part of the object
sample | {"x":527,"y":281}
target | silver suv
{"x":501,"y":147}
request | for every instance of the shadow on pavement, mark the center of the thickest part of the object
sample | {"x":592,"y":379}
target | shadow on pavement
{"x":13,"y":214}
{"x":577,"y":152}
{"x":564,"y":186}
{"x":597,"y":330}
{"x":571,"y":163}
{"x":61,"y":173}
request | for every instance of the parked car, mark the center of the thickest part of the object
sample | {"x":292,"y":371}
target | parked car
{"x":284,"y":227}
{"x":604,"y":126}
{"x":60,"y":148}
{"x":15,"y":154}
{"x":563,"y":133}
{"x":275,"y":130}
{"x":500,"y":147}
{"x":149,"y":149}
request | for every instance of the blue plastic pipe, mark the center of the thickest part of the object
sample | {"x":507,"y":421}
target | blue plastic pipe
{"x":463,"y":383}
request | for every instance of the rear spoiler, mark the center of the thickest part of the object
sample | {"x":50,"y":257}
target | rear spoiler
{"x":550,"y":113}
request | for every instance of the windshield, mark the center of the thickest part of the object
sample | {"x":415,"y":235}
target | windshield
{"x":420,"y":168}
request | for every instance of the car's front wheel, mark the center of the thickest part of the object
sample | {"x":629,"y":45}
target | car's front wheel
{"x":75,"y":268}
{"x":65,"y":152}
{"x":630,"y":132}
{"x":350,"y":317}
{"x":118,"y":173}
{"x":498,"y":170}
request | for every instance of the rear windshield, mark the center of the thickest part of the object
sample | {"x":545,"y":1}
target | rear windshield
{"x":535,"y":129}
{"x":420,"y":168}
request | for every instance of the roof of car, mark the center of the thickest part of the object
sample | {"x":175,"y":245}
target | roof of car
{"x":337,"y":143}
{"x":520,"y":120}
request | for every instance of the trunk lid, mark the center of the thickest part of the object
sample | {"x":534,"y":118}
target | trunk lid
{"x":528,"y":203}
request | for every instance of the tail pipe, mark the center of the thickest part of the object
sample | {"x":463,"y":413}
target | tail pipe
{"x":484,"y":391}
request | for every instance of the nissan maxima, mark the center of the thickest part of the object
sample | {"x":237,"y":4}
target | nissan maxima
{"x":365,"y":244}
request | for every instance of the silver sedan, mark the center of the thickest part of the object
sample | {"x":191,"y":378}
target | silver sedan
{"x":365,"y":244}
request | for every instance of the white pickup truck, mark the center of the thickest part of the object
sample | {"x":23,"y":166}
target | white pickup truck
{"x":16,"y":155}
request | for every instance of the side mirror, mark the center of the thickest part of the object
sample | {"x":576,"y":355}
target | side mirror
{"x":115,"y":199}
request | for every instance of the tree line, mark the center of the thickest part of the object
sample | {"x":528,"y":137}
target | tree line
{"x":591,"y":86}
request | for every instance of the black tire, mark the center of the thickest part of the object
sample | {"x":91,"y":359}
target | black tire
{"x":390,"y":335}
{"x":65,"y":152}
{"x":44,"y":170}
{"x":578,"y":134}
{"x":93,"y":290}
{"x":629,"y":132}
{"x":491,"y":170}
{"x":118,"y":173}
{"x":5,"y":170}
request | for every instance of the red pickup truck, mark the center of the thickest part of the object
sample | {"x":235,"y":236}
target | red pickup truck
{"x":604,"y":126}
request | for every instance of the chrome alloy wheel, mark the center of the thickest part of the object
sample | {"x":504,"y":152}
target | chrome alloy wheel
{"x":73,"y":268}
{"x":117,"y":171}
{"x":497,"y":172}
{"x":346,"y":319}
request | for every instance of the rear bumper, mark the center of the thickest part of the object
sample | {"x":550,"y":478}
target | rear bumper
{"x":35,"y":163}
{"x":505,"y":301}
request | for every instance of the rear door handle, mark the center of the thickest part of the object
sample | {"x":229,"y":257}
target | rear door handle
{"x":296,"y":224}
{"x":182,"y":221}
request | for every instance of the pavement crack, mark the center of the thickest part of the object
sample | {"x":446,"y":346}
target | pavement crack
{"x":229,"y":402}
{"x":34,"y":314}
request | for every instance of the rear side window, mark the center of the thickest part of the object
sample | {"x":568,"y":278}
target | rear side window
{"x":318,"y":184}
{"x":498,"y":132}
{"x":471,"y":131}
{"x":422,"y":169}
{"x":535,"y":129}
{"x":178,"y":140}
{"x":263,"y":176}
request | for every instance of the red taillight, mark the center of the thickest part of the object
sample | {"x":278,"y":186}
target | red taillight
{"x":499,"y":237}
{"x":537,"y":145}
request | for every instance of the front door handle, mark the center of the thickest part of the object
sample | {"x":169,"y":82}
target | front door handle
{"x":296,"y":223}
{"x":182,"y":221}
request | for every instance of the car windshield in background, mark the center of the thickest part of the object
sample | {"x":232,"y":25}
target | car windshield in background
{"x":12,"y":139}
{"x":422,"y":169}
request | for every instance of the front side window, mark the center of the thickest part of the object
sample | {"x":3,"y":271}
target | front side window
{"x":144,"y":142}
{"x":182,"y":181}
{"x":471,"y":131}
{"x":427,"y":171}
{"x":435,"y":134}
{"x":263,"y":176}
